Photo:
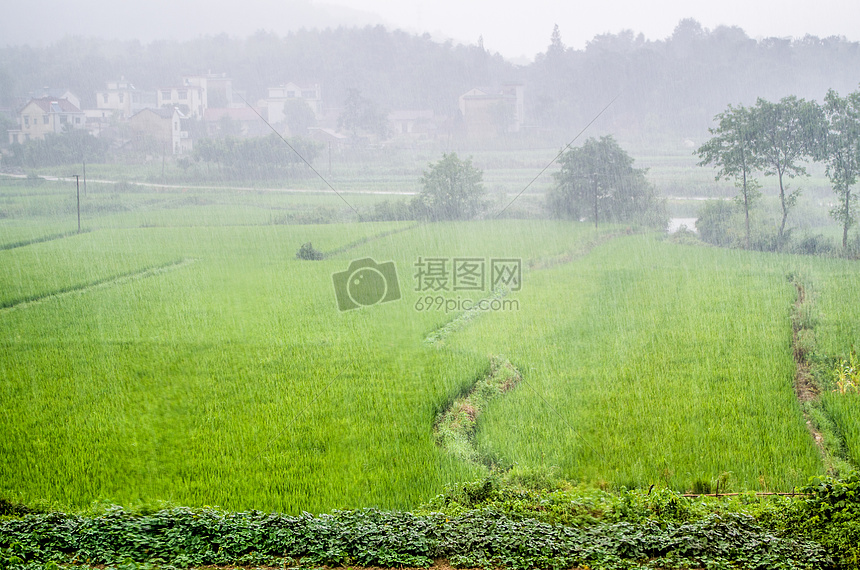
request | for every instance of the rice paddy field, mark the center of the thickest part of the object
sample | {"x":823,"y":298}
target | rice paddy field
{"x":178,"y":351}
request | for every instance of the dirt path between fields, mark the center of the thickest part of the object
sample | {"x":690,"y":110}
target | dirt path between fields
{"x":456,"y":426}
{"x":174,"y":186}
{"x":804,"y":384}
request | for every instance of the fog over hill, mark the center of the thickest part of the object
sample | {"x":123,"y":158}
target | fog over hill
{"x":167,"y":19}
{"x":672,"y":86}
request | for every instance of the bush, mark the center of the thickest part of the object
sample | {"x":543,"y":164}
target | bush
{"x":817,"y":244}
{"x":506,"y":528}
{"x":387,"y":211}
{"x":717,"y":223}
{"x":308,"y":252}
{"x":830,"y":515}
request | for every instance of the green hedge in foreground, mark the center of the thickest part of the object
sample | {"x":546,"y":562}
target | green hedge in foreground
{"x":476,"y":525}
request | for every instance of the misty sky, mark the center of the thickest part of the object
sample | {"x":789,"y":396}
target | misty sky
{"x":513,"y":28}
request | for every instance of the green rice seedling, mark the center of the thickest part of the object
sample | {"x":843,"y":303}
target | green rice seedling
{"x":646,"y":362}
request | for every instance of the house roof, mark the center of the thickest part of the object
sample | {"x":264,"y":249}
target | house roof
{"x":318,"y":132}
{"x":163,"y":112}
{"x":52,"y":93}
{"x":302,"y":85}
{"x":486,"y":93}
{"x":51,"y":105}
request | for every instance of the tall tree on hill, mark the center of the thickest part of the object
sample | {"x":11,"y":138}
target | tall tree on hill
{"x":841,"y":153}
{"x":556,"y":47}
{"x":785,"y":134}
{"x":731,"y":150}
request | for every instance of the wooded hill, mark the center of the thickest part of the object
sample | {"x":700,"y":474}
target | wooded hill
{"x":674,"y":86}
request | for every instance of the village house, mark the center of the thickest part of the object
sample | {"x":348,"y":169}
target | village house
{"x":416,"y":124}
{"x":160,"y":129}
{"x":488,"y":113}
{"x":46,"y":115}
{"x":197,"y":93}
{"x":278,"y":98}
{"x":122,"y":100}
{"x":55,"y":94}
{"x":190,"y":99}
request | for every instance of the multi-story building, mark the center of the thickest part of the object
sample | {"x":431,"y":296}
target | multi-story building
{"x":123,"y":100}
{"x":491,"y":112}
{"x":46,"y":115}
{"x":160,"y":129}
{"x":197,"y":93}
{"x":279,"y":97}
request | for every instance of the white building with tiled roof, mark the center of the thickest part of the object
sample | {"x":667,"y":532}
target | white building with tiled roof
{"x":46,"y":115}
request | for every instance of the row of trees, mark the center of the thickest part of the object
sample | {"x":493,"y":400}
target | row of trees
{"x":597,"y":182}
{"x":260,"y":157}
{"x":779,"y":140}
{"x":72,"y":146}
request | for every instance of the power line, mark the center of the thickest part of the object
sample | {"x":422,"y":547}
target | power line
{"x":561,"y":152}
{"x":286,"y":142}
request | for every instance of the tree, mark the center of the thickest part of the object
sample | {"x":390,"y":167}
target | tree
{"x":299,"y":117}
{"x":597,"y":181}
{"x":731,"y":149}
{"x":260,"y":157}
{"x":785,"y":133}
{"x":452,"y":189}
{"x":71,"y":146}
{"x":841,"y":152}
{"x":362,"y":115}
{"x":556,"y":47}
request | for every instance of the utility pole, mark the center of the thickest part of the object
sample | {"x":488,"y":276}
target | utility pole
{"x":85,"y":176}
{"x":78,"y":187}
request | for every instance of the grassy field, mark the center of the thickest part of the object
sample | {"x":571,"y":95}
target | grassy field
{"x":178,"y":351}
{"x":834,"y":317}
{"x":651,"y":363}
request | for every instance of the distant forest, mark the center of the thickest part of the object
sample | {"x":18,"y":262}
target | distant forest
{"x":673,"y":86}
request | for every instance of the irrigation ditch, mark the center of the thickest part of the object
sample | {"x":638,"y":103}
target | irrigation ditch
{"x":823,"y":430}
{"x":456,"y":424}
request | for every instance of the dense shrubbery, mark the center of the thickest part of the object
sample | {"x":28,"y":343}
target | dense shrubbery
{"x":721,"y":223}
{"x":478,"y":524}
{"x":309,"y":253}
{"x":256,"y":158}
{"x":388,"y":211}
{"x":69,"y":147}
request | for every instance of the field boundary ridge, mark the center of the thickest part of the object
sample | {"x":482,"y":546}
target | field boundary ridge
{"x":21,"y":303}
{"x":42,"y":239}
